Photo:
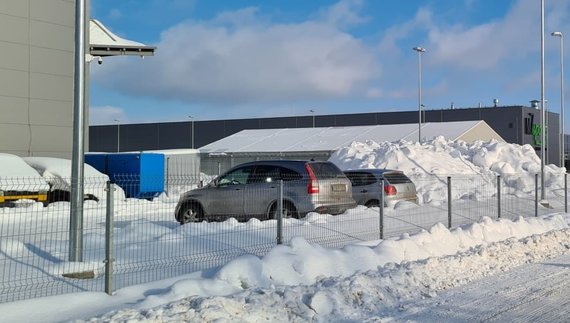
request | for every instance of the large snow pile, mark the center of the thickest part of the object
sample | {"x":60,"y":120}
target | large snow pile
{"x":16,"y":175}
{"x":473,"y":166}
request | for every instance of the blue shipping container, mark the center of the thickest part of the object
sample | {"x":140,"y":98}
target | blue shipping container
{"x":140,"y":175}
{"x":97,"y":161}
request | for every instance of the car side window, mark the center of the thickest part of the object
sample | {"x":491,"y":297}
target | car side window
{"x":265,"y":174}
{"x":236,"y":177}
{"x":289,"y":174}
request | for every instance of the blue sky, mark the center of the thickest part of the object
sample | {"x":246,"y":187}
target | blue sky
{"x":235,"y":59}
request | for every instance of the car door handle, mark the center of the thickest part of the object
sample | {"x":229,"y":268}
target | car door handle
{"x":363,"y":191}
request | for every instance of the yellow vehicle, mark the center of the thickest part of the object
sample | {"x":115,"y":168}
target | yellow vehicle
{"x":10,"y":196}
{"x":19,"y":181}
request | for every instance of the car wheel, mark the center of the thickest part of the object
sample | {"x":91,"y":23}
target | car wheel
{"x":289,"y":211}
{"x":190,"y":212}
{"x":372,"y":203}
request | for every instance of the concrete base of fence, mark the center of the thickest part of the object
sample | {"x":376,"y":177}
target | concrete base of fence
{"x":545,"y":204}
{"x":80,"y":275}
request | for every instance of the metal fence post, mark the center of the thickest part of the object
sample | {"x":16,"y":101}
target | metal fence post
{"x":565,"y":192}
{"x":499,"y":196}
{"x":280,"y":214}
{"x":449,"y":202}
{"x":167,"y":179}
{"x":381,"y":209}
{"x":109,"y":240}
{"x":535,"y":195}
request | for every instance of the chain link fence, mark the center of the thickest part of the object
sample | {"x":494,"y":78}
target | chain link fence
{"x":128,"y":240}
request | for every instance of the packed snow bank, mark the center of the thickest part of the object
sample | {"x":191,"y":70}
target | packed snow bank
{"x":302,"y":263}
{"x":357,"y":282}
{"x":473,"y":167}
{"x":16,"y":175}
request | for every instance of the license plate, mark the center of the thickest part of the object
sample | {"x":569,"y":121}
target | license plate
{"x":339,"y":188}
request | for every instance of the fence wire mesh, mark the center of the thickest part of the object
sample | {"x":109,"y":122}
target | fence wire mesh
{"x":34,"y":245}
{"x":150,"y":243}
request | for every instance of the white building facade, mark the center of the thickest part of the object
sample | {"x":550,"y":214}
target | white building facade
{"x":36,"y":77}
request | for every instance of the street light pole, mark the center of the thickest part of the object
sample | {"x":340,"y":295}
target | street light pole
{"x":313,"y":112}
{"x":420,"y":50}
{"x":192,"y":125}
{"x":562,"y":147}
{"x":118,"y":134}
{"x":78,"y":145}
{"x":542,"y":106}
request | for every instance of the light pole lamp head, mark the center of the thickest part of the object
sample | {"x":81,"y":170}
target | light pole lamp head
{"x":557,"y":34}
{"x":419,"y":49}
{"x":117,"y":120}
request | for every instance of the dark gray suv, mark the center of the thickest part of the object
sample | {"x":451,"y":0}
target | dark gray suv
{"x":251,"y":190}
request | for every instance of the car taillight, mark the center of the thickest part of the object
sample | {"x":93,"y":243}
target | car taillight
{"x":313,"y":187}
{"x":390,"y":190}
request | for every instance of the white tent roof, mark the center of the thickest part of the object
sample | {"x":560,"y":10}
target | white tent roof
{"x":333,"y":138}
{"x":104,"y":43}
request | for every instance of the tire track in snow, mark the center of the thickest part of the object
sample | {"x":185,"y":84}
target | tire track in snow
{"x":535,"y":292}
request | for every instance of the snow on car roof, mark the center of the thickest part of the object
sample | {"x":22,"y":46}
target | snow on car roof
{"x":17,"y":175}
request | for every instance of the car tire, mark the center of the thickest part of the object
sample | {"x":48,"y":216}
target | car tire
{"x":190,"y":212}
{"x":372,"y":203}
{"x":289,"y":211}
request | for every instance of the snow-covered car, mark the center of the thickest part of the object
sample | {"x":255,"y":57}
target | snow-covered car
{"x":57,"y":173}
{"x":19,"y":181}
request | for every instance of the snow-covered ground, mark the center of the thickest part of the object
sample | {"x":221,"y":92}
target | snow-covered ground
{"x":368,"y":279}
{"x":305,"y":282}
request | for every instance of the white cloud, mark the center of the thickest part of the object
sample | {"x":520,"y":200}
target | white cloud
{"x":237,"y":57}
{"x":344,"y":13}
{"x":106,"y":115}
{"x":242,"y":58}
{"x":115,"y":13}
{"x":487,"y":45}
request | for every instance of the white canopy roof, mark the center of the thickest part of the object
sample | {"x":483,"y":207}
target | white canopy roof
{"x":104,"y":43}
{"x":333,"y":138}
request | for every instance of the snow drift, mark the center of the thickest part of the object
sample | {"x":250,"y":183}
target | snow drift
{"x":475,"y":165}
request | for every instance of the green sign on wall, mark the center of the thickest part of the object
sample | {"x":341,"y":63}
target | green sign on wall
{"x":536,"y":135}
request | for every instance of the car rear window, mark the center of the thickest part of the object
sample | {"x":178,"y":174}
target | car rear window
{"x":360,"y":178}
{"x":326,"y":170}
{"x":397,"y":178}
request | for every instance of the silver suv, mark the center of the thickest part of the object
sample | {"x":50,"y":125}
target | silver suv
{"x":251,"y":190}
{"x":366,"y":186}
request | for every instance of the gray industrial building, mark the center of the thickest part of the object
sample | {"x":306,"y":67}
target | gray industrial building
{"x":37,"y":73}
{"x":322,"y":142}
{"x":515,"y":124}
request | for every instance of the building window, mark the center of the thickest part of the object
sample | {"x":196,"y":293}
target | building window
{"x":528,"y":121}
